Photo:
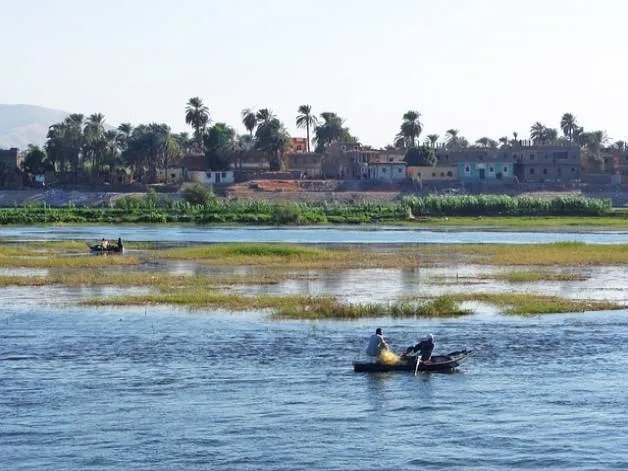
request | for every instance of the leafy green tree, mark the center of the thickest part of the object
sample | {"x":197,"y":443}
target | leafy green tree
{"x":36,"y":161}
{"x":483,"y":141}
{"x":220,"y":142}
{"x":305,"y":119}
{"x":330,"y":129}
{"x":197,"y":116}
{"x":198,"y":194}
{"x":272,"y":138}
{"x":151,"y":147}
{"x":423,"y":156}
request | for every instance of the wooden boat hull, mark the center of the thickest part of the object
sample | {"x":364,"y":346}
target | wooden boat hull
{"x":99,"y":249}
{"x":438,"y":363}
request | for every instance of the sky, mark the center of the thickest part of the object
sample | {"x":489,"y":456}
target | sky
{"x":485,"y":67}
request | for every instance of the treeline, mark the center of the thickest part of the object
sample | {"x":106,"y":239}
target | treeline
{"x":155,"y":208}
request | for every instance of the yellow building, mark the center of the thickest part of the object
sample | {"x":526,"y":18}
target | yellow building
{"x":433,"y":174}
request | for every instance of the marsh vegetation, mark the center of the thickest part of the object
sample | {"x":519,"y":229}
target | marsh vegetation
{"x":219,"y":269}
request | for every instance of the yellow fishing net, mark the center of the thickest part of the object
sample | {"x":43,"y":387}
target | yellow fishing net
{"x":387,"y":357}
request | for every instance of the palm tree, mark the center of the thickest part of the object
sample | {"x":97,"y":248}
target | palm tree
{"x":432,"y":139}
{"x":503,"y":141}
{"x":452,"y":138}
{"x":249,"y":119}
{"x":197,"y":116}
{"x":271,"y":137}
{"x":74,"y":140}
{"x":537,"y":132}
{"x":265,"y":116}
{"x":306,"y":119}
{"x":411,"y":127}
{"x":568,"y":125}
{"x":94,"y":144}
{"x":515,"y":137}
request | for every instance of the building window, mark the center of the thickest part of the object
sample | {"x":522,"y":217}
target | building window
{"x":467,"y":170}
{"x":449,"y":174}
{"x":505,"y":170}
{"x":573,"y":170}
{"x":224,"y":175}
{"x":491,"y":169}
{"x":531,"y":156}
{"x":442,"y":174}
{"x":544,"y":171}
{"x":400,"y":170}
{"x":384,"y":170}
{"x":531,"y":171}
{"x":433,"y":174}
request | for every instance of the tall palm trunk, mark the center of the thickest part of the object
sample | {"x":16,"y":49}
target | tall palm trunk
{"x":307,"y":128}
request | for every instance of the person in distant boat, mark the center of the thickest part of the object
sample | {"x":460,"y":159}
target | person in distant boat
{"x":120,"y":243}
{"x":104,"y":243}
{"x":424,"y":348}
{"x":376,"y":343}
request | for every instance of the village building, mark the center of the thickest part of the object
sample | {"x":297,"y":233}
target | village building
{"x":420,"y":175}
{"x":519,"y":163}
{"x":307,"y":164}
{"x":345,"y":161}
{"x":9,"y":158}
{"x":387,"y":171}
{"x":298,"y":144}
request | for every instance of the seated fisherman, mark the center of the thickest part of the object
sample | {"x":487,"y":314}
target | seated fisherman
{"x":376,"y":344}
{"x":424,"y":347}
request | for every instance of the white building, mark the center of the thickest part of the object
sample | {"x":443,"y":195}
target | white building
{"x":387,"y":171}
{"x":207,"y":177}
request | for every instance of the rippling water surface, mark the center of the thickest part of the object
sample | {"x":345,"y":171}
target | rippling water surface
{"x":131,"y":389}
{"x":312,"y":235}
{"x":165,"y":389}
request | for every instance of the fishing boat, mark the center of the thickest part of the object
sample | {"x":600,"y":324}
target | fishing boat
{"x":109,"y":249}
{"x":408,"y":363}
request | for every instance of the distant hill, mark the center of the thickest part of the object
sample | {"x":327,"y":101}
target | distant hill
{"x":21,"y":125}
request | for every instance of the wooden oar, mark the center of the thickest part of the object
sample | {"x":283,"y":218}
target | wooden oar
{"x":416,"y":368}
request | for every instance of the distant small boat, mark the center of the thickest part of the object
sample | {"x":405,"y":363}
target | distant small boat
{"x":437,"y":363}
{"x":114,"y":248}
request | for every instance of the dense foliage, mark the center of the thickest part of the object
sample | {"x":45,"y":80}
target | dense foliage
{"x":203,"y":208}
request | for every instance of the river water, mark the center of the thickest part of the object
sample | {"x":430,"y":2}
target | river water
{"x":165,"y":389}
{"x":309,"y":235}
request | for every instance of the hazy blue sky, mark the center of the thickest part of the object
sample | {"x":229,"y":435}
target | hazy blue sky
{"x":486,"y":67}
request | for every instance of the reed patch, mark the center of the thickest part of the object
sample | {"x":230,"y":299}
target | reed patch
{"x":528,"y":303}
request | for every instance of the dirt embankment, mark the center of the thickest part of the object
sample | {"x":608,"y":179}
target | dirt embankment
{"x":286,"y":191}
